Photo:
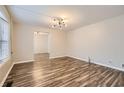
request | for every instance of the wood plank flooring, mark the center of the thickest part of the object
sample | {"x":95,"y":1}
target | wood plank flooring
{"x":63,"y":72}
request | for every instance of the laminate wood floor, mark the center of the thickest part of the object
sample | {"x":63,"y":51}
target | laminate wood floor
{"x":63,"y":72}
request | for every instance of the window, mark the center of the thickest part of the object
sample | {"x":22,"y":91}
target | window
{"x":4,"y":39}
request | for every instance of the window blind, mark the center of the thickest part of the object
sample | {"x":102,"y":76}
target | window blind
{"x":4,"y":40}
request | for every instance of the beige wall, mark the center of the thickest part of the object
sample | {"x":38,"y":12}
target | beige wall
{"x":5,"y":66}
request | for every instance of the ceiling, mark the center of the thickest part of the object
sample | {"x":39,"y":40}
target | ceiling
{"x":75,"y":16}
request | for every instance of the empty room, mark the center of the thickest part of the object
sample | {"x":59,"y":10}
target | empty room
{"x":61,"y":45}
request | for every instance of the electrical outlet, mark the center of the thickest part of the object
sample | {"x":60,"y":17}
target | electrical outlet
{"x":122,"y":65}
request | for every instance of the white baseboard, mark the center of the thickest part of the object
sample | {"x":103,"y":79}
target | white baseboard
{"x":26,"y":61}
{"x":1,"y":84}
{"x":117,"y":68}
{"x":57,"y":57}
{"x":83,"y":59}
{"x":86,"y":60}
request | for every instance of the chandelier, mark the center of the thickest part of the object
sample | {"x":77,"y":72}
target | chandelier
{"x":58,"y":23}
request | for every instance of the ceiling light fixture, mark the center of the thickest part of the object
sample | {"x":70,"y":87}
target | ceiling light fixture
{"x":58,"y":23}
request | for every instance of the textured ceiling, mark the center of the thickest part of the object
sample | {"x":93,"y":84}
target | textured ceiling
{"x":75,"y":16}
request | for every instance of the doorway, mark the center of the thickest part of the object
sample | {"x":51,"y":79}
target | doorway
{"x":41,"y":46}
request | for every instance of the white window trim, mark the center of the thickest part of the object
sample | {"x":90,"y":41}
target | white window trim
{"x":3,"y":61}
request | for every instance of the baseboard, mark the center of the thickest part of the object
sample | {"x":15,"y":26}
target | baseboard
{"x":86,"y":60}
{"x":108,"y":66}
{"x":57,"y":57}
{"x":26,"y":61}
{"x":82,"y":59}
{"x":4,"y":79}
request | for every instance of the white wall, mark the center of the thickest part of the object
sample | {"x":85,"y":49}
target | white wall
{"x":57,"y":43}
{"x":40,"y":43}
{"x":23,"y":43}
{"x":103,"y":42}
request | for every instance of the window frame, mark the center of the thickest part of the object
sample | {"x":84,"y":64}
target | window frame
{"x":4,"y":60}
